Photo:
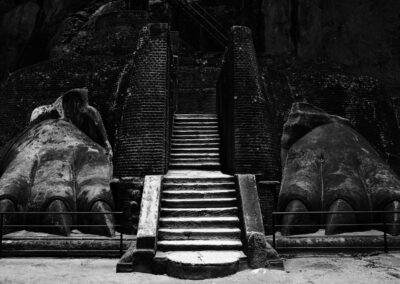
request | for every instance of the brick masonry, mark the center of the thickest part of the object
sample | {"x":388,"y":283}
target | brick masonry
{"x":143,"y":133}
{"x":248,"y":136}
{"x":249,"y":141}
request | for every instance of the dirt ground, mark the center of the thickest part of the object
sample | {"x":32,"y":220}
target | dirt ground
{"x":300,"y":269}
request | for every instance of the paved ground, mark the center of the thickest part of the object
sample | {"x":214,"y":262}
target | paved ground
{"x":328,"y":269}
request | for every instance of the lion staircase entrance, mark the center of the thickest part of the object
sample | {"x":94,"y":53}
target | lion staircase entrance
{"x":199,"y":226}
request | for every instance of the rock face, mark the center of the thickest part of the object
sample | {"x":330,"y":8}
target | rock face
{"x":53,"y":166}
{"x":31,"y":29}
{"x":330,"y":167}
{"x":17,"y":27}
{"x":362,"y":35}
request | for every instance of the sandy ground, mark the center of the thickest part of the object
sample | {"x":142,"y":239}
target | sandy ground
{"x":312,"y":269}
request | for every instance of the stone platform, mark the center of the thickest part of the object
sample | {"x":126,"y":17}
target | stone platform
{"x":199,"y":264}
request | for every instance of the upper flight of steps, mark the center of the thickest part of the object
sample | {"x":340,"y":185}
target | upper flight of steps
{"x":195,"y":142}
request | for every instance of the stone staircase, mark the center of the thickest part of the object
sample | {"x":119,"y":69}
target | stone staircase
{"x":199,"y":232}
{"x":195,"y":142}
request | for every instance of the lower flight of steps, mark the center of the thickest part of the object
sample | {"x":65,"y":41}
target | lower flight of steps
{"x":195,"y":142}
{"x":199,"y":214}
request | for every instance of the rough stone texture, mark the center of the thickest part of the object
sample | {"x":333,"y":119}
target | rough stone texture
{"x":362,"y":100}
{"x":149,"y":213}
{"x":247,"y":138}
{"x":250,"y":204}
{"x":28,"y":26}
{"x":278,"y":25}
{"x":73,"y":106}
{"x":257,"y":250}
{"x":330,"y":167}
{"x":53,"y":162}
{"x":99,"y":65}
{"x":22,"y":243}
{"x":198,"y":265}
{"x":261,"y":254}
{"x":127,"y":197}
{"x":16,"y":29}
{"x":361,"y":35}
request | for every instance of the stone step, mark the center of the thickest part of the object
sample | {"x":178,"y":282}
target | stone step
{"x":197,"y":265}
{"x":198,"y":202}
{"x":195,"y":127}
{"x":194,"y":194}
{"x":195,"y":136}
{"x":196,"y":156}
{"x":198,"y":234}
{"x":195,"y":144}
{"x":196,"y":116}
{"x":194,"y":150}
{"x":178,"y":123}
{"x":199,"y":212}
{"x":197,"y":184}
{"x":199,"y":222}
{"x":196,"y":140}
{"x":195,"y":179}
{"x":195,"y":132}
{"x":223,"y":244}
{"x":193,"y":160}
{"x":195,"y":166}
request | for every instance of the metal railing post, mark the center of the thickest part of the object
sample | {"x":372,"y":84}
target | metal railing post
{"x":273,"y":232}
{"x":385,"y":236}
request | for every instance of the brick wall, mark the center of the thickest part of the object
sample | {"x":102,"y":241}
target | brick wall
{"x":143,"y":133}
{"x":249,"y":142}
{"x":268,"y":192}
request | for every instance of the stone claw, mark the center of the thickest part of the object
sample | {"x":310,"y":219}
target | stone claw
{"x":105,"y":221}
{"x":393,"y":219}
{"x":297,"y":219}
{"x":335,"y":221}
{"x":6,"y":205}
{"x":59,"y":224}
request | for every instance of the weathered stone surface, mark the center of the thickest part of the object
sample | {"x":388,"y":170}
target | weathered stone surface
{"x":54,"y":166}
{"x":302,"y":119}
{"x":361,"y":35}
{"x":257,"y":250}
{"x":362,"y":100}
{"x":277,"y":22}
{"x":250,"y":204}
{"x":149,"y":213}
{"x":260,"y":253}
{"x":327,"y":163}
{"x":73,"y":106}
{"x":16,"y":30}
{"x":198,"y":265}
